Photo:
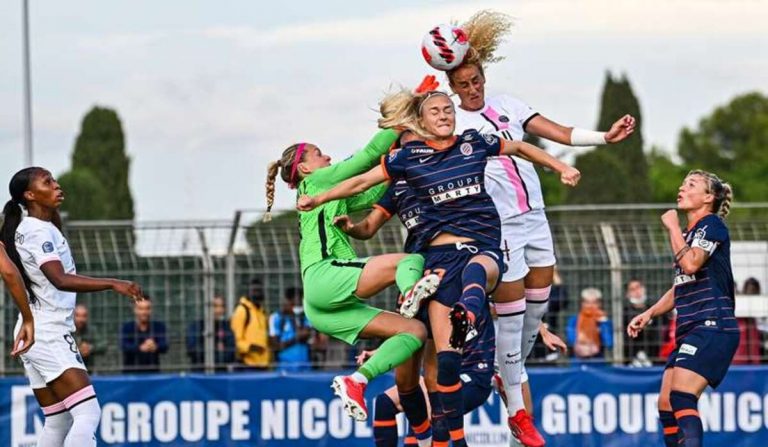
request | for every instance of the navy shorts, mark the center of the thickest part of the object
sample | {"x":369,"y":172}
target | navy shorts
{"x":475,"y":388}
{"x":706,"y":351}
{"x":450,"y":260}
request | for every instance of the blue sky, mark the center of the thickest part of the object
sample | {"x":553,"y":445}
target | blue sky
{"x":209,"y":92}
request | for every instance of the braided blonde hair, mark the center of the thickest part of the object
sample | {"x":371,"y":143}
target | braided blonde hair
{"x":722,"y":191}
{"x":283,"y":165}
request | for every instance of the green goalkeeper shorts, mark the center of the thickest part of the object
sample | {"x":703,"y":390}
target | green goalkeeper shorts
{"x":330,"y":302}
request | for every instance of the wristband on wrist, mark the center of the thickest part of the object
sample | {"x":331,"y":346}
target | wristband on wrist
{"x":583,"y":137}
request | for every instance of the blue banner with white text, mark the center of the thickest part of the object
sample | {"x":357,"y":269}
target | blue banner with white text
{"x":574,"y":407}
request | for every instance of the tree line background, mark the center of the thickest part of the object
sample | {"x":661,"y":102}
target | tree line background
{"x":731,"y":141}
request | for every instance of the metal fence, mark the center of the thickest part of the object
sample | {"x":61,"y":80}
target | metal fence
{"x":183,"y":265}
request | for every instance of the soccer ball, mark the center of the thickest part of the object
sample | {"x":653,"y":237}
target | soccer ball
{"x":444,"y":47}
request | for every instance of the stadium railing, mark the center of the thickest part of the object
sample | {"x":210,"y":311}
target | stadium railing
{"x":183,"y":265}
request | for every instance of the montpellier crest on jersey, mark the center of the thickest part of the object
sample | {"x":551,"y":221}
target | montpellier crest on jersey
{"x":466,"y":149}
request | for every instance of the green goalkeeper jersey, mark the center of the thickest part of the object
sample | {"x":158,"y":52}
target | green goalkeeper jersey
{"x":320,"y":238}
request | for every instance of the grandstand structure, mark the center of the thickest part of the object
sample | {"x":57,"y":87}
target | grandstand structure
{"x":182,"y":265}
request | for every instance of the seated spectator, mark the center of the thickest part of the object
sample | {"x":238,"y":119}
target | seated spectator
{"x":590,"y":333}
{"x":638,"y":351}
{"x":289,"y":332}
{"x":87,"y":337}
{"x":143,"y":340}
{"x":750,"y":339}
{"x":249,"y":324}
{"x":223,"y":338}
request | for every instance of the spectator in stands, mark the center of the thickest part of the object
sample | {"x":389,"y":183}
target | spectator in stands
{"x":87,"y":337}
{"x":223,"y":338}
{"x":249,"y":324}
{"x":750,"y":338}
{"x":590,"y":333}
{"x":638,"y":351}
{"x":143,"y":340}
{"x":289,"y":332}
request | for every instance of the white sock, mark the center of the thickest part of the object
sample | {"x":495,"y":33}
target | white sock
{"x":508,"y":351}
{"x":359,"y":378}
{"x":427,"y":442}
{"x":56,"y":426}
{"x":536,"y":306}
{"x":86,"y":416}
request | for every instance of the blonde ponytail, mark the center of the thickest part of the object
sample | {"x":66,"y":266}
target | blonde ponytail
{"x":270,"y":185}
{"x":725,"y":205}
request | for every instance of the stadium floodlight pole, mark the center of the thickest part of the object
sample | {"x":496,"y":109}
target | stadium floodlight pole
{"x":28,"y":159}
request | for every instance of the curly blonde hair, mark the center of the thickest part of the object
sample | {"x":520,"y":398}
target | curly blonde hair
{"x":485,"y":31}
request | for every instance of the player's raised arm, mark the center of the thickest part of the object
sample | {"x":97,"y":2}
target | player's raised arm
{"x":347,"y":188}
{"x":568,"y":174}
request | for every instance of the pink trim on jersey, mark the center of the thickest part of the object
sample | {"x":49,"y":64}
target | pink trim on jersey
{"x":517,"y":183}
{"x":58,"y":407}
{"x":79,"y":396}
{"x":537,"y":295}
{"x":494,"y":116}
{"x":511,"y":307}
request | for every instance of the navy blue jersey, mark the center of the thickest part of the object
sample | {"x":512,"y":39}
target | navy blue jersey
{"x":706,"y":298}
{"x":400,"y":200}
{"x":450,"y":186}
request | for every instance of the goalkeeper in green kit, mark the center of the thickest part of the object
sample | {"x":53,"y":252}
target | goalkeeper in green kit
{"x":336,"y":281}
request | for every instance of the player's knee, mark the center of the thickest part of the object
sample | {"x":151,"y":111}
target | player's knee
{"x":417,"y":329}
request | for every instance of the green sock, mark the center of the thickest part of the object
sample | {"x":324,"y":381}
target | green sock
{"x":394,"y":351}
{"x":410,"y":269}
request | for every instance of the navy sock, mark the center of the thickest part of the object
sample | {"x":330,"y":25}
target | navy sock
{"x":384,"y":422}
{"x":449,"y":387}
{"x":415,"y":408}
{"x":473,"y":281}
{"x":410,"y":439}
{"x":685,"y":406}
{"x":439,"y":425}
{"x":669,"y":426}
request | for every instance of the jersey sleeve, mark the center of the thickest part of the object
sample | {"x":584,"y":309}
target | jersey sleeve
{"x":361,"y":161}
{"x":394,"y":164}
{"x":490,"y":142}
{"x":387,"y":202}
{"x":523,"y":112}
{"x":40,"y":243}
{"x":709,"y":234}
{"x":366,"y":199}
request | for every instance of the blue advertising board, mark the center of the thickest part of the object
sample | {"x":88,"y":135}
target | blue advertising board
{"x":586,"y":406}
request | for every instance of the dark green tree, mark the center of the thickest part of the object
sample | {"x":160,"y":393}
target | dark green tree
{"x":97,"y":185}
{"x":732,"y":142}
{"x":665,"y":176}
{"x":621,"y":169}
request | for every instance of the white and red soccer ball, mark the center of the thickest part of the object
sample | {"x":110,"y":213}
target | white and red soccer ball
{"x":444,"y":47}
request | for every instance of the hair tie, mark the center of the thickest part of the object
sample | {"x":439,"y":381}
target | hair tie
{"x":295,"y":165}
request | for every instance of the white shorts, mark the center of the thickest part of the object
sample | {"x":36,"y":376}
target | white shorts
{"x":526,"y":241}
{"x":54,"y":352}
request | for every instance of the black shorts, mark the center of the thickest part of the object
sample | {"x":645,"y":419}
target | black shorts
{"x":706,"y":351}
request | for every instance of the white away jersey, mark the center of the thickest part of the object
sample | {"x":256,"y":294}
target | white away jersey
{"x":511,"y":181}
{"x":39,"y":242}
